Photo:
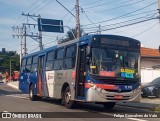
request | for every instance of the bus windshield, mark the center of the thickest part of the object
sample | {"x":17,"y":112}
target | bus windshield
{"x":114,"y":63}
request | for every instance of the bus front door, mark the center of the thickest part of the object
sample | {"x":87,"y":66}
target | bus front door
{"x":81,"y":72}
{"x":41,"y":82}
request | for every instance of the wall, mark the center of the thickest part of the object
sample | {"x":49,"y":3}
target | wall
{"x":147,"y":75}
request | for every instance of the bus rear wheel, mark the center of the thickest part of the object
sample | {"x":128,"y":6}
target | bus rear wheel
{"x":109,"y":105}
{"x":31,"y":94}
{"x":68,"y":103}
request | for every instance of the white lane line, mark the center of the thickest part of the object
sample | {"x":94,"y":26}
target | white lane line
{"x":136,"y":119}
{"x":5,"y":111}
{"x":17,"y":96}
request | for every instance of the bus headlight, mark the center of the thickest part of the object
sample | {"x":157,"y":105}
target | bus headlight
{"x":138,"y":89}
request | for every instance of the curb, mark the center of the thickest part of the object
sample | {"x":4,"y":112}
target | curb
{"x":13,"y":86}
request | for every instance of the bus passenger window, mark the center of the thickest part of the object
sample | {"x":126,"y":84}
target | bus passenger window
{"x":23,"y":66}
{"x":28,"y":67}
{"x":70,"y":57}
{"x":58,"y":64}
{"x":58,"y":59}
{"x":49,"y":66}
{"x":34,"y":68}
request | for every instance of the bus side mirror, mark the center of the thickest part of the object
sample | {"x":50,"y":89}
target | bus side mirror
{"x":159,"y":48}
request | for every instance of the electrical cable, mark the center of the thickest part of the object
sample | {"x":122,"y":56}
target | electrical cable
{"x":115,"y":18}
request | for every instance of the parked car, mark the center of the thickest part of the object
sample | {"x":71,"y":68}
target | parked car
{"x":152,"y":89}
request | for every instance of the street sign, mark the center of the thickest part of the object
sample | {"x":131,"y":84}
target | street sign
{"x":50,"y":25}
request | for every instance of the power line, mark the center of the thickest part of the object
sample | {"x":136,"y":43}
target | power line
{"x":37,"y":6}
{"x":66,"y":9}
{"x":146,"y":30}
{"x":114,"y":18}
{"x":105,"y":4}
{"x":24,"y":11}
{"x":92,"y":2}
{"x":88,"y":17}
{"x":114,"y":8}
{"x":133,"y":27}
{"x":43,"y":6}
{"x":138,"y":18}
{"x":31,"y":6}
{"x":131,"y":24}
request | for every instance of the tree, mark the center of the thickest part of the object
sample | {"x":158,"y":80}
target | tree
{"x":70,"y":35}
{"x":5,"y":59}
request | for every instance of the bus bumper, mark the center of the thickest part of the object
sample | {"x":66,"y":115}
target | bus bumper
{"x":95,"y":95}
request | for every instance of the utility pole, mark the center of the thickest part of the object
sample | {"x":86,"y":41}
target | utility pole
{"x":25,"y":47}
{"x":159,"y":9}
{"x":40,"y":40}
{"x":35,"y":37}
{"x":19,"y":33}
{"x":77,"y":19}
{"x":99,"y":29}
{"x":21,"y":44}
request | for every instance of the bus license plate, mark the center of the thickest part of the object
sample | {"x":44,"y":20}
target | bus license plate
{"x":118,"y":97}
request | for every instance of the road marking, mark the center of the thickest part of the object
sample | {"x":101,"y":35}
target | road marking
{"x":5,"y":111}
{"x":17,"y":96}
{"x":136,"y":119}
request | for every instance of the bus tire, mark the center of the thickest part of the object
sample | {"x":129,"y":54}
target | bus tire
{"x":109,"y":105}
{"x":68,"y":103}
{"x":31,"y":94}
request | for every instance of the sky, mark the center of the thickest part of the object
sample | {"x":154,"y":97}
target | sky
{"x":131,"y":18}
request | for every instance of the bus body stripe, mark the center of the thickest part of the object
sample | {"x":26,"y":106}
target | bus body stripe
{"x":102,"y":86}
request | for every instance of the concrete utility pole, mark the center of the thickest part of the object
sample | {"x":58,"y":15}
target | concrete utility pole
{"x":40,"y":40}
{"x":77,"y":19}
{"x":159,"y":9}
{"x":21,"y":44}
{"x":19,"y":33}
{"x":35,"y":37}
{"x":25,"y":47}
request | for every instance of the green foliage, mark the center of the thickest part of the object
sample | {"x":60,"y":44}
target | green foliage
{"x":6,"y":58}
{"x":71,"y":34}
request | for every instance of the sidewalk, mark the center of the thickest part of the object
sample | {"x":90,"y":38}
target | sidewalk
{"x":13,"y":84}
{"x":146,"y":103}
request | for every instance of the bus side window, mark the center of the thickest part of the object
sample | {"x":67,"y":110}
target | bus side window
{"x":49,"y":63}
{"x":70,"y":57}
{"x":28,"y":66}
{"x":58,"y":59}
{"x":23,"y":66}
{"x":34,"y":64}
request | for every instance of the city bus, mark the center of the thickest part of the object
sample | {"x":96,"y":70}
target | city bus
{"x":101,"y":69}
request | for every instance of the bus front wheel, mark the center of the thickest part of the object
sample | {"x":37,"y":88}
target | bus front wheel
{"x":68,"y":103}
{"x":31,"y":94}
{"x":109,"y":105}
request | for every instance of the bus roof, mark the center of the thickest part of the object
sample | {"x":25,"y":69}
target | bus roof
{"x":84,"y":38}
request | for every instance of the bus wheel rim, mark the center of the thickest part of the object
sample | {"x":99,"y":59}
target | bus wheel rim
{"x":68,"y":97}
{"x":31,"y":94}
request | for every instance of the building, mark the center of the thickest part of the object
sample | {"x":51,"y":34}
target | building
{"x":150,"y":64}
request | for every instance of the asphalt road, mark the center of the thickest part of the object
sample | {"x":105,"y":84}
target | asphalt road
{"x":12,"y":100}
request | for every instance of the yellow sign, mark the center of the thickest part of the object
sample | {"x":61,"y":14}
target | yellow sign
{"x":127,"y":70}
{"x":93,"y":67}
